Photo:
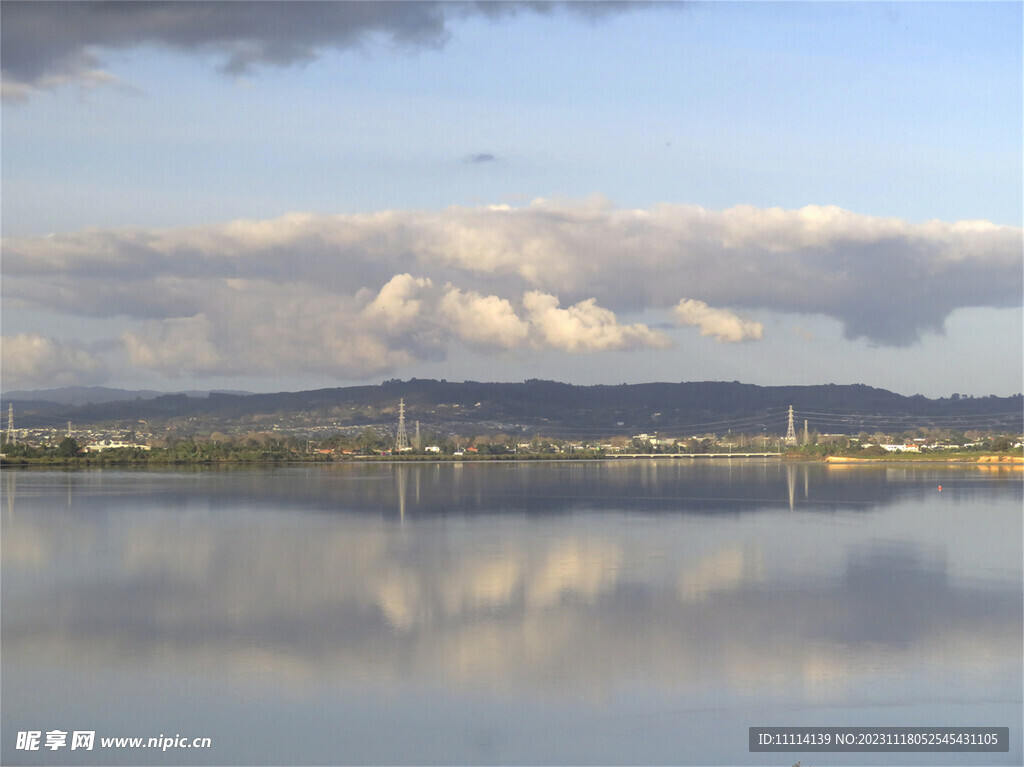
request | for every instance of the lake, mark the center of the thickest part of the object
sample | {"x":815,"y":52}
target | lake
{"x":593,"y":612}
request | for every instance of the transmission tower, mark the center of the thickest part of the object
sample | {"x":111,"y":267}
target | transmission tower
{"x":401,"y":439}
{"x":790,"y":431}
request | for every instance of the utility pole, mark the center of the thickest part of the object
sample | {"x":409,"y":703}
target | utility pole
{"x":807,"y":434}
{"x":416,"y":441}
{"x":11,"y":439}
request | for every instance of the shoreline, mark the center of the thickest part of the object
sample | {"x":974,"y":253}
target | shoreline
{"x":986,"y":459}
{"x":982,"y":460}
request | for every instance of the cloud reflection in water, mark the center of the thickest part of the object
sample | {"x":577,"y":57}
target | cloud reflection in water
{"x":564,"y":604}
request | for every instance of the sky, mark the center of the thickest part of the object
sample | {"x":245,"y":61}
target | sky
{"x":281,"y":196}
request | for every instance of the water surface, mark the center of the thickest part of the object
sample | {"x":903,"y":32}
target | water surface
{"x":529,"y":613}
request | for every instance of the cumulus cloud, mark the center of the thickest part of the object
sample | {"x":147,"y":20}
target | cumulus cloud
{"x":395,"y":306}
{"x":483,"y":321}
{"x":720,"y":324}
{"x":31,"y":360}
{"x":491,"y":322}
{"x":585,"y":326}
{"x":45,"y":45}
{"x":359,"y":295}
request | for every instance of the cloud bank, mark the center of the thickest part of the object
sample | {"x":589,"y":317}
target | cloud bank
{"x":45,"y":45}
{"x":361,"y":295}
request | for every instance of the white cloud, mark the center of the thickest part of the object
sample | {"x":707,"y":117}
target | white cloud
{"x":585,"y":326}
{"x":395,"y":306}
{"x":31,"y":360}
{"x":720,"y":324}
{"x":482,"y":321}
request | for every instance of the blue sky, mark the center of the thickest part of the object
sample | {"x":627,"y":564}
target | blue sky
{"x":763,"y":192}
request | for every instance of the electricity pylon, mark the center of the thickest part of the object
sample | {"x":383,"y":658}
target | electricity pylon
{"x":790,"y":432}
{"x":401,"y":439}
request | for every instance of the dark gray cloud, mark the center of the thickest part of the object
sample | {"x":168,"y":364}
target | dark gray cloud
{"x":49,"y":43}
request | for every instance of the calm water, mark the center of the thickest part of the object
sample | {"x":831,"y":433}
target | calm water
{"x":556,"y":613}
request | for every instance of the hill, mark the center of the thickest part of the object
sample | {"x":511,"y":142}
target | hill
{"x":88,"y":395}
{"x":556,"y":409}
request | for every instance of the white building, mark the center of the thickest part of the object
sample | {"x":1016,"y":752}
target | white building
{"x":109,"y":444}
{"x":902,"y":448}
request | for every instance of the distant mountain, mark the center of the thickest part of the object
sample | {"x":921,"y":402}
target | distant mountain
{"x":533,"y":406}
{"x":94,"y":395}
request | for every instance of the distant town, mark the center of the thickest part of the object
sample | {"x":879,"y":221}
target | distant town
{"x":441,"y":420}
{"x":286,"y":440}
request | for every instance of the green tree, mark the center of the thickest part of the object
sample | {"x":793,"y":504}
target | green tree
{"x":1000,"y":445}
{"x":370,"y":440}
{"x":68,"y":447}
